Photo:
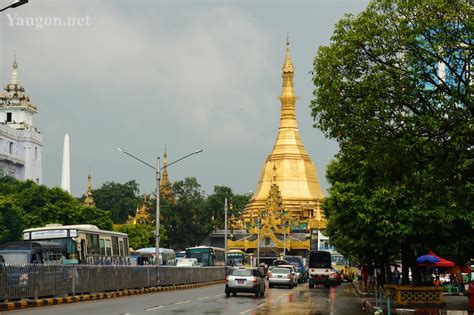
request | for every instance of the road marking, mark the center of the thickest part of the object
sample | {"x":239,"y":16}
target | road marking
{"x":182,"y":302}
{"x":154,"y":308}
{"x":220,"y":294}
{"x":260,"y":305}
{"x":246,"y":311}
{"x":204,"y":297}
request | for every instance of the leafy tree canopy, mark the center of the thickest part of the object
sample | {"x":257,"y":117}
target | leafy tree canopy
{"x":394,"y":89}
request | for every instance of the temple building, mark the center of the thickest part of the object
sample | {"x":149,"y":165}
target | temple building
{"x":142,"y":216}
{"x":284,"y":214}
{"x":89,"y":201}
{"x":21,"y":144}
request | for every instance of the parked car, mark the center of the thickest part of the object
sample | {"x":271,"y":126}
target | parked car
{"x":298,"y":262}
{"x":249,"y":280}
{"x":281,"y":276}
{"x":335,"y":277}
{"x":187,"y":262}
{"x":296,"y":274}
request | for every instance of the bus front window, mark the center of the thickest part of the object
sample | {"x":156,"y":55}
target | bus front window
{"x":204,"y":259}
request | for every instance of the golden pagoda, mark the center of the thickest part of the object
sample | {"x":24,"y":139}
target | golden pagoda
{"x":165,"y":185}
{"x":286,"y":205}
{"x":89,"y":201}
{"x":142,"y":216}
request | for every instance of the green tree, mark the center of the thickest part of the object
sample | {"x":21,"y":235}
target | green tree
{"x":26,"y":204}
{"x":12,"y":220}
{"x":404,"y":129}
{"x":185,"y":220}
{"x":120,"y":199}
{"x":139,"y":235}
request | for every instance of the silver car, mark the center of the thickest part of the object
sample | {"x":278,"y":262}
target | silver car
{"x":294,"y":272}
{"x":248,"y":280}
{"x":280,"y":276}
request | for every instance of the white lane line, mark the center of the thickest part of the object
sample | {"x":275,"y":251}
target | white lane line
{"x":154,"y":308}
{"x":260,"y":305}
{"x":204,"y":297}
{"x":220,"y":294}
{"x":182,"y":302}
{"x":246,"y":311}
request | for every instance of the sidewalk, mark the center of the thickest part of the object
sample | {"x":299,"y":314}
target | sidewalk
{"x":455,"y":305}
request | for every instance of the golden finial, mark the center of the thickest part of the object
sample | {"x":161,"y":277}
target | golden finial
{"x":287,"y":65}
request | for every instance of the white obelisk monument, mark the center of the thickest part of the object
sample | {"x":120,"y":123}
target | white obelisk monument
{"x":66,"y":174}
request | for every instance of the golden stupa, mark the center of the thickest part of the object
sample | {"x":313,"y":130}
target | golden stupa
{"x":89,"y":200}
{"x":286,"y":205}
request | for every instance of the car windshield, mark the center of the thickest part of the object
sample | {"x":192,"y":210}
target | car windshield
{"x":242,"y":272}
{"x":281,"y":270}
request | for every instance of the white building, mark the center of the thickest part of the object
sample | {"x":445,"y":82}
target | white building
{"x":21,"y":145}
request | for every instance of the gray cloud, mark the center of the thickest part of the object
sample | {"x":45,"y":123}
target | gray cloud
{"x":182,"y":74}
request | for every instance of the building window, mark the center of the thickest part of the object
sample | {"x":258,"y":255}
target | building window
{"x":10,"y":150}
{"x":36,"y":153}
{"x":9,"y":117}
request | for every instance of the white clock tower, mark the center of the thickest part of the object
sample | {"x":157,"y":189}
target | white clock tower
{"x":21,"y":145}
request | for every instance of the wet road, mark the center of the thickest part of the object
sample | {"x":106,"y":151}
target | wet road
{"x":340,"y":300}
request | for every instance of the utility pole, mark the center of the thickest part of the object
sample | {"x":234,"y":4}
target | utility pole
{"x":225,"y":230}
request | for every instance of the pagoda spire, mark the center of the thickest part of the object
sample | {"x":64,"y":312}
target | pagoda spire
{"x":89,"y":201}
{"x":296,"y":176}
{"x":165,"y":186}
{"x":164,"y":174}
{"x":288,"y":98}
{"x":14,"y":71}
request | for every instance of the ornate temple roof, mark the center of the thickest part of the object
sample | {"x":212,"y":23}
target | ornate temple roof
{"x":15,"y":95}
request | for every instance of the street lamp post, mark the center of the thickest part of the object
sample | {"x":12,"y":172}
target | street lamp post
{"x":225,"y":230}
{"x":158,"y":178}
{"x":14,"y":4}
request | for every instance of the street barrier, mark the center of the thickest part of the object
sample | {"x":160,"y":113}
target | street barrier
{"x":38,"y":281}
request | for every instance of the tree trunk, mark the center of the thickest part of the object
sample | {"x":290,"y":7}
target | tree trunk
{"x":409,"y":262}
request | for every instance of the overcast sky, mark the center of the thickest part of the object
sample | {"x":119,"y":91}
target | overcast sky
{"x":185,"y":74}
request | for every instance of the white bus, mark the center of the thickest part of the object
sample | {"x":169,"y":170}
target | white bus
{"x":206,"y":255}
{"x":83,"y":243}
{"x":167,"y":256}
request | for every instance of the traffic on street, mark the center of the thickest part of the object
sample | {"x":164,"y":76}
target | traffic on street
{"x":340,"y":300}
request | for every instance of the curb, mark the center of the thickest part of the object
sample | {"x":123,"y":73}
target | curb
{"x":8,"y":306}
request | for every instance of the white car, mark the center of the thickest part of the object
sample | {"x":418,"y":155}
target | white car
{"x":187,"y":262}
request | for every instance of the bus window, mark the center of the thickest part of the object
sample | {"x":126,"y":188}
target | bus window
{"x":120,"y":246}
{"x":108,"y":248}
{"x":95,"y":244}
{"x":115,"y":246}
{"x":90,"y":249}
{"x":102,"y":247}
{"x":125,"y":247}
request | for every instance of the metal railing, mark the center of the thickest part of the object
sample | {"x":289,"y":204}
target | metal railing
{"x":36,"y":281}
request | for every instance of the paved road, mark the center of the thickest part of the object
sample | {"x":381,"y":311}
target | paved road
{"x":339,"y":300}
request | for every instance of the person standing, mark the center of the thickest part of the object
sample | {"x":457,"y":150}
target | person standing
{"x":365,"y":276}
{"x":396,"y":275}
